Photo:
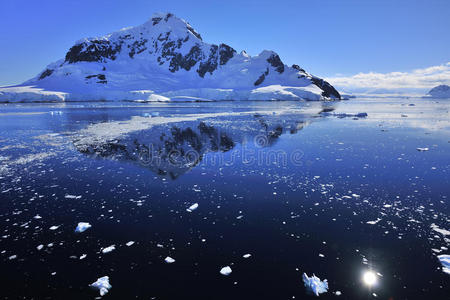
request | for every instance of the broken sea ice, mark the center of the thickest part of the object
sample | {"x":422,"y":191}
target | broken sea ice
{"x":82,"y":226}
{"x":226,"y":271}
{"x":102,"y":284}
{"x":314,"y":285}
{"x":445,"y":262}
{"x":192,"y":207}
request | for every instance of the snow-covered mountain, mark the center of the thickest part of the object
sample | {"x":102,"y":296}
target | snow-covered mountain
{"x":440,"y":91}
{"x":165,"y":59}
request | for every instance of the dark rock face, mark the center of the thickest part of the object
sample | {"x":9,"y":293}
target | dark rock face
{"x":297,"y":67}
{"x":211,"y":64}
{"x":262,"y":77}
{"x":137,"y":47}
{"x":225,"y":53}
{"x":275,"y":61}
{"x":185,"y":62}
{"x":46,"y":73}
{"x":328,"y":89}
{"x":100,"y":77}
{"x":96,"y":50}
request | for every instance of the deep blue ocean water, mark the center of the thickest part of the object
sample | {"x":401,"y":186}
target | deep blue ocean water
{"x":302,"y":187}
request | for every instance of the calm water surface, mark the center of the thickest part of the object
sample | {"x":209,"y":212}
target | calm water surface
{"x":302,"y":187}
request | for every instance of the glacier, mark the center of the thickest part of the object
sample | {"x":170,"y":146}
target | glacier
{"x":162,"y":60}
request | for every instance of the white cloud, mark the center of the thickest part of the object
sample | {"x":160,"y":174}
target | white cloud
{"x":426,"y":78}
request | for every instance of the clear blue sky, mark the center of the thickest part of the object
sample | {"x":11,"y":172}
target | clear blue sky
{"x":324,"y":37}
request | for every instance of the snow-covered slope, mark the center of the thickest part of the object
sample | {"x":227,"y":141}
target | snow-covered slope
{"x":440,"y":91}
{"x":165,"y":59}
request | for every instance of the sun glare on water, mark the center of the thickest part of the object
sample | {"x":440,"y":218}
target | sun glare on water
{"x":369,"y":278}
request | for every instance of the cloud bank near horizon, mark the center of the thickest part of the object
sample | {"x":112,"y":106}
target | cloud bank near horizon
{"x":415,"y":80}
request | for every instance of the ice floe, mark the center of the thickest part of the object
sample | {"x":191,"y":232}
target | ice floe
{"x":102,"y":284}
{"x":373,"y":222}
{"x":82,"y":226}
{"x":109,"y":249}
{"x":54,"y":227}
{"x":169,"y":260}
{"x":192,"y":207}
{"x":440,"y":230}
{"x":445,"y":262}
{"x":226,"y":271}
{"x":130,"y":243}
{"x":246,"y":255}
{"x":314,"y":285}
{"x":422,"y":149}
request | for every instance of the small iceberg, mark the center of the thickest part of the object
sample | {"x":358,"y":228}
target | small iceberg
{"x":192,"y":207}
{"x":82,"y":226}
{"x":102,"y":284}
{"x":109,"y":249}
{"x":54,"y":227}
{"x":169,"y":260}
{"x":445,"y":262}
{"x":130,"y":243}
{"x":226,"y":271}
{"x":248,"y":255}
{"x":423,"y":149}
{"x":314,"y":285}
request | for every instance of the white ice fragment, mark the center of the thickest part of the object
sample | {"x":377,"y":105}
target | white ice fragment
{"x":130,"y":243}
{"x":109,"y":249}
{"x":102,"y":284}
{"x":82,"y":226}
{"x":246,"y":255}
{"x":315,"y":285}
{"x":445,"y":262}
{"x":40,"y":247}
{"x":373,"y":222}
{"x":72,"y":197}
{"x":83,"y":256}
{"x":422,"y":149}
{"x":12,"y":257}
{"x":169,"y":260}
{"x":440,"y":230}
{"x":338,"y":293}
{"x":226,"y":271}
{"x":54,"y":227}
{"x":192,"y":207}
{"x":37,"y":217}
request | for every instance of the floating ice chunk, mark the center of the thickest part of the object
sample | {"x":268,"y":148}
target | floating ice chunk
{"x":246,"y":255}
{"x":54,"y":227}
{"x":40,"y":247}
{"x":422,"y":149}
{"x":130,"y":243}
{"x":82,"y":226}
{"x":169,"y":260}
{"x":373,"y":222}
{"x":12,"y":257}
{"x":338,"y":293}
{"x":37,"y":217}
{"x":102,"y":284}
{"x":109,"y":249}
{"x":440,"y":230}
{"x":226,"y":271}
{"x":314,"y":285}
{"x":72,"y":197}
{"x":192,"y":207}
{"x":445,"y":262}
{"x":83,"y":256}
